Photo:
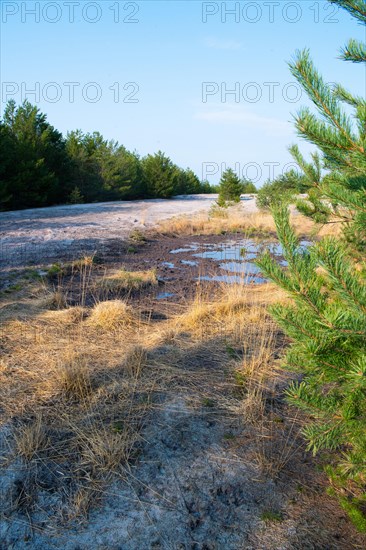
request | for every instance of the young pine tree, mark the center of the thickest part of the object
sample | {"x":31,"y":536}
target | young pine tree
{"x":230,"y":188}
{"x":326,"y":318}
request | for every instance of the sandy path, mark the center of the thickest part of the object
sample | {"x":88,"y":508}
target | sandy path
{"x":32,"y":236}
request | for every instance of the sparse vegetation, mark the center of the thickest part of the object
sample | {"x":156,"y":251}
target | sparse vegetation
{"x":106,"y":371}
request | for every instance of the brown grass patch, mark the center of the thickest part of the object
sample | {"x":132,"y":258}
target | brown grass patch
{"x":90,"y":375}
{"x":31,"y":439}
{"x":111,"y":315}
{"x":125,"y":281}
{"x":256,"y":224}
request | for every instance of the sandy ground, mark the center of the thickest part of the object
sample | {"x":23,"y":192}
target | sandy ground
{"x":36,"y":235}
{"x":198,"y":483}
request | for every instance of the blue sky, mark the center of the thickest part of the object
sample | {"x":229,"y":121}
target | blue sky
{"x":157,"y":74}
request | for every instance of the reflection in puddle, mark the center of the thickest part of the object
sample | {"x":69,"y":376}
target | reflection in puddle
{"x":188,"y":262}
{"x":240,"y":267}
{"x":236,"y":257}
{"x":164,"y":295}
{"x":191,"y":248}
{"x":232,"y":279}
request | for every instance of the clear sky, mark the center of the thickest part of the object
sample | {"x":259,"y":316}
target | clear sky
{"x":157,"y":74}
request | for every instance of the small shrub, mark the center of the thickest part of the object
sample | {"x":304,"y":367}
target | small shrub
{"x":217,"y":211}
{"x":137,"y":236}
{"x":75,"y":196}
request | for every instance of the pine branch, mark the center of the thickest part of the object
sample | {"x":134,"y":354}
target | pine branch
{"x":349,"y":286}
{"x":321,"y":95}
{"x":357,"y":8}
{"x":354,"y":51}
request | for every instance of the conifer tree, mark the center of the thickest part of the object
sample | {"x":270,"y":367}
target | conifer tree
{"x":230,"y":188}
{"x":326,"y":318}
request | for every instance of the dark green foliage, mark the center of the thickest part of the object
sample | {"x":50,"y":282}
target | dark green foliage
{"x":207,"y":188}
{"x":326,"y":319}
{"x":248,"y":187}
{"x":33,"y":160}
{"x":75,"y":196}
{"x":160,"y":175}
{"x":286,"y":187}
{"x":38,"y":167}
{"x":103,"y":170}
{"x":187,"y":182}
{"x":230,"y":188}
{"x":281,"y":190}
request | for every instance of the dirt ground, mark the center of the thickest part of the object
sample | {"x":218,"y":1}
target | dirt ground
{"x":43,"y":234}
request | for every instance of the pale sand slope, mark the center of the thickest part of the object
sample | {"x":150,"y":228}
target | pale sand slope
{"x":28,"y":236}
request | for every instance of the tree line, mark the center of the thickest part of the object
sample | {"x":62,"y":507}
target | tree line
{"x":40,"y":167}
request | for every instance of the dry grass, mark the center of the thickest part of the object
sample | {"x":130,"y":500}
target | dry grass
{"x":90,"y":375}
{"x":74,"y":378}
{"x":136,"y":361}
{"x":204,"y":224}
{"x":104,"y":452}
{"x":56,"y":299}
{"x":111,"y":315}
{"x":127,"y":281}
{"x":257,"y":224}
{"x":31,"y":439}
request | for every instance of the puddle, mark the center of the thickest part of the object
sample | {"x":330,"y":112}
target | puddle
{"x":233,"y":279}
{"x":191,"y":248}
{"x":235,"y":257}
{"x":240,"y":267}
{"x":189,"y":262}
{"x":168,"y":264}
{"x":164,"y":295}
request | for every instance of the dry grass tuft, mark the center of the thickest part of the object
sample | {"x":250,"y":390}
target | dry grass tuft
{"x":30,"y":439}
{"x":74,"y":378}
{"x":126,"y":281}
{"x":105,"y":451}
{"x":111,"y":315}
{"x":69,"y":316}
{"x":56,"y":299}
{"x":136,"y":361}
{"x":86,"y":261}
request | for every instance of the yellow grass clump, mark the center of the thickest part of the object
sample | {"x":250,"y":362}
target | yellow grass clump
{"x":236,"y":220}
{"x":74,"y":378}
{"x":31,"y":439}
{"x":111,"y":315}
{"x":123,"y":280}
{"x":204,"y":224}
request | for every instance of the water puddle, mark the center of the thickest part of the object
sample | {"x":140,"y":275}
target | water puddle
{"x":189,"y":262}
{"x":240,"y":267}
{"x":191,"y":248}
{"x":168,"y":264}
{"x":165,"y":295}
{"x":233,"y":279}
{"x":236,"y":257}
